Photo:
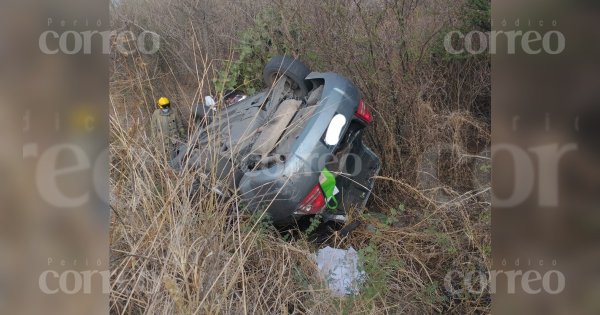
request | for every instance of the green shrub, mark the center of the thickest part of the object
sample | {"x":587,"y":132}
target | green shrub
{"x":256,"y":46}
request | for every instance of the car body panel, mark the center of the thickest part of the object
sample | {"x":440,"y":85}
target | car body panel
{"x":279,"y":188}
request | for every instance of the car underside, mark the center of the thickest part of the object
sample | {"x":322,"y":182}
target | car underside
{"x":274,"y":147}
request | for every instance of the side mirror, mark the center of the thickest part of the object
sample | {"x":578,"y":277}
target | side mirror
{"x":206,"y":110}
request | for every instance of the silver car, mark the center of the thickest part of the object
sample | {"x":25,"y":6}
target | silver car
{"x":292,"y":150}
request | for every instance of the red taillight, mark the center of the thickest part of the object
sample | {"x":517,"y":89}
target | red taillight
{"x":363,"y":112}
{"x":313,"y":202}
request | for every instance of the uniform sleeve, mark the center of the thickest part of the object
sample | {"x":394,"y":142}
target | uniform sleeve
{"x":153,"y":126}
{"x":181,"y":127}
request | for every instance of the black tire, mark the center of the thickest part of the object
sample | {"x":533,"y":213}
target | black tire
{"x":293,"y":69}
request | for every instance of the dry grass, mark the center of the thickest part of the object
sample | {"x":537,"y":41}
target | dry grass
{"x":429,"y":214}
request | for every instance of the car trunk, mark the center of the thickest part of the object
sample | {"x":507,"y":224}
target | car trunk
{"x":355,"y":165}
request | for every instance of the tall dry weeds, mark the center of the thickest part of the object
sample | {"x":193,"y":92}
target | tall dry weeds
{"x":429,"y":214}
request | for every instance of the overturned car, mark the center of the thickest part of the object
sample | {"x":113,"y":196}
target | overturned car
{"x":292,"y":150}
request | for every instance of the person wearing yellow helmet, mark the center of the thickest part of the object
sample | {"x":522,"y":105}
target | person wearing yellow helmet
{"x":166,"y":127}
{"x":164,"y":102}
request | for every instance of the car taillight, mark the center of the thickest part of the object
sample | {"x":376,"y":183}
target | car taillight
{"x":363,"y":112}
{"x":313,"y":202}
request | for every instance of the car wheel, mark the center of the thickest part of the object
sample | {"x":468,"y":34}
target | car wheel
{"x":293,"y":69}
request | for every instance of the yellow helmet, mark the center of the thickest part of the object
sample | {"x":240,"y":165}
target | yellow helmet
{"x":163,"y":102}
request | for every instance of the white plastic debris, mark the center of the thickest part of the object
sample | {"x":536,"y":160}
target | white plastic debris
{"x":210,"y":102}
{"x":339,"y":267}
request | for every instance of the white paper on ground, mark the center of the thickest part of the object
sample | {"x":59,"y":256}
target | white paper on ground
{"x":339,"y":267}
